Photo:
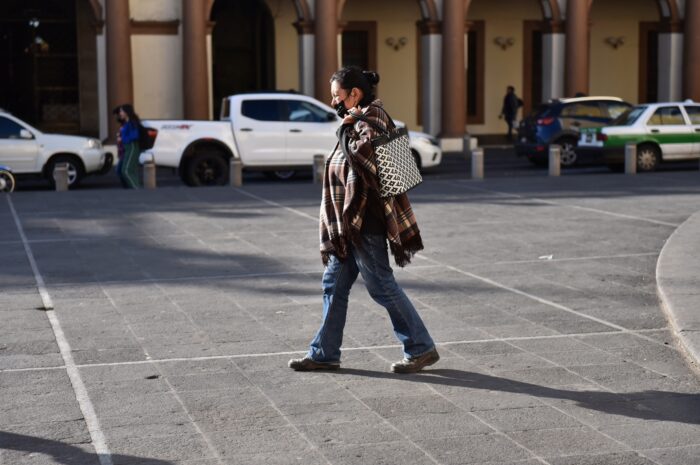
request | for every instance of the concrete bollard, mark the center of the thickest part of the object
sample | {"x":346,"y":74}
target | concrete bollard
{"x":318,"y":168}
{"x":554,"y":160}
{"x":236,"y":172}
{"x":149,"y":175}
{"x":60,"y":177}
{"x":630,"y":158}
{"x":478,"y":163}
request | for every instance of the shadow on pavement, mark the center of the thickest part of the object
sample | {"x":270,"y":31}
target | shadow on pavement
{"x":67,"y":454}
{"x":678,"y":407}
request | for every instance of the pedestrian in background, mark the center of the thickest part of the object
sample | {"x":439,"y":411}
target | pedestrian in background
{"x":130,"y":134}
{"x":355,"y":224}
{"x":509,"y":111}
{"x":120,"y":146}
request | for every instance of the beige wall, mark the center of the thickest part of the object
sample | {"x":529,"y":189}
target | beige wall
{"x":286,"y":44}
{"x":157,"y":70}
{"x":615,"y":72}
{"x":155,"y":10}
{"x":502,"y":67}
{"x":398,"y":71}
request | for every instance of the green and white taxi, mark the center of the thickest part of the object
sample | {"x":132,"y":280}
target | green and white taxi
{"x":661,"y":131}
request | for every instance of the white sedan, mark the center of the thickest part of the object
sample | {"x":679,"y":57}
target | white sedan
{"x":26,"y":150}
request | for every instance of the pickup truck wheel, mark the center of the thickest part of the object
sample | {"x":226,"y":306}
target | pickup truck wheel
{"x":282,"y":174}
{"x":76,"y":172}
{"x":207,"y":169}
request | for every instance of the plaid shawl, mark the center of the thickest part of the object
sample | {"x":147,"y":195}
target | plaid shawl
{"x":350,"y":178}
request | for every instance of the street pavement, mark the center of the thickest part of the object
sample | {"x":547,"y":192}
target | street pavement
{"x":175,"y":312}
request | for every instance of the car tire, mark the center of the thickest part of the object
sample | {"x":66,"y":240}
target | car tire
{"x":416,"y":157}
{"x":281,"y":175}
{"x":568,"y":151}
{"x":648,"y":157}
{"x":76,"y":172}
{"x":7,"y":181}
{"x":207,"y":168}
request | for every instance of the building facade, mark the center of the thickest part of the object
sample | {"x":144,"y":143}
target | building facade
{"x":444,"y":64}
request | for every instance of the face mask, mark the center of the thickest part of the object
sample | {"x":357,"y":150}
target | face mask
{"x":120,"y":120}
{"x":341,"y":110}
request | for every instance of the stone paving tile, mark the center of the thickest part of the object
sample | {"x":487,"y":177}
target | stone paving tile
{"x":675,"y":456}
{"x":477,"y":448}
{"x":619,"y":458}
{"x":569,"y":441}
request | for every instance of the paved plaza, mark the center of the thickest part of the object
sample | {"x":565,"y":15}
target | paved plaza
{"x":175,"y":312}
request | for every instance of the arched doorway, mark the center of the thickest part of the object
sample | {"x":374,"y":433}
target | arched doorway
{"x":243,"y":48}
{"x":48,"y":64}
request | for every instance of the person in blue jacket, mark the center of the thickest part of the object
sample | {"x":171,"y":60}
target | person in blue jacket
{"x":129,"y":134}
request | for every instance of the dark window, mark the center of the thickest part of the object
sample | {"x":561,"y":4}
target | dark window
{"x":694,"y":114}
{"x":262,"y":110}
{"x":9,"y":129}
{"x":582,"y":109}
{"x":300,"y":111}
{"x":666,"y":116}
{"x":615,"y":109}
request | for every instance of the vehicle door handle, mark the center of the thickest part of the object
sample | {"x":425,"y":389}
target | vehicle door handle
{"x":246,"y":130}
{"x":295,"y":130}
{"x":655,"y":131}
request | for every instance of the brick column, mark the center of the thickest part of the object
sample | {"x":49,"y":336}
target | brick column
{"x":454,"y":100}
{"x":325,"y":46}
{"x":120,"y":86}
{"x":195,"y":67}
{"x":577,"y":47}
{"x":691,"y":51}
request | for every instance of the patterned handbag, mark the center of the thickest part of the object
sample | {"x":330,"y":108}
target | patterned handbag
{"x":396,"y":166}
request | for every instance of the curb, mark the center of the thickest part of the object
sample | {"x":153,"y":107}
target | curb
{"x":677,"y":278}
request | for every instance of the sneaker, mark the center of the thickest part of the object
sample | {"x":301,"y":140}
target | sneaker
{"x":307,"y":364}
{"x":415,"y":364}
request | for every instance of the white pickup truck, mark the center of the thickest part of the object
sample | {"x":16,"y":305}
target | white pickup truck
{"x":278,"y":133}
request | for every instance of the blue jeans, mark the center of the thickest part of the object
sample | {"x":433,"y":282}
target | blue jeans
{"x":372,"y":261}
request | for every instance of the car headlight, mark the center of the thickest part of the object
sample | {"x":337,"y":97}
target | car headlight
{"x":94,"y":144}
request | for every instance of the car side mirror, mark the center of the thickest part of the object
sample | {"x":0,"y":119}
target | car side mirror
{"x":25,"y":134}
{"x":331,"y":116}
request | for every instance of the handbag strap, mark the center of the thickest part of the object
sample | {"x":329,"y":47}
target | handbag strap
{"x":378,"y":128}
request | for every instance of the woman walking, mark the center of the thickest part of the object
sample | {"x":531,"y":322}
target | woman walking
{"x":355,"y":225}
{"x":129,"y":135}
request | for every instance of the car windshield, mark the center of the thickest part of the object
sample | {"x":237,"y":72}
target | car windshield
{"x":629,"y":117}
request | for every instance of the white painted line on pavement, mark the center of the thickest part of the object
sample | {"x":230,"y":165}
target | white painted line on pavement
{"x":566,"y":205}
{"x":41,"y":286}
{"x":573,"y":259}
{"x":81,"y":394}
{"x":345,"y":349}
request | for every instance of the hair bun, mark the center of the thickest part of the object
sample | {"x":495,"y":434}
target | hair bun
{"x":371,"y":76}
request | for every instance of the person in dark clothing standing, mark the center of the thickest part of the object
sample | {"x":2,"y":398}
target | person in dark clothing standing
{"x":511,"y":104}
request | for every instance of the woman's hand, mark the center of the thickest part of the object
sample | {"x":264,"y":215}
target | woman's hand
{"x":349,"y":119}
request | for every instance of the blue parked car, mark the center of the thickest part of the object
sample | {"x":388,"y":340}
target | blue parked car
{"x":559,"y":122}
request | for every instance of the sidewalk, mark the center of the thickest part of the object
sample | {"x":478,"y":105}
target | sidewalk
{"x":176,"y":310}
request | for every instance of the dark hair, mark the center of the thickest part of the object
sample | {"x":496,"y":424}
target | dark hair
{"x":352,"y":76}
{"x":129,"y":110}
